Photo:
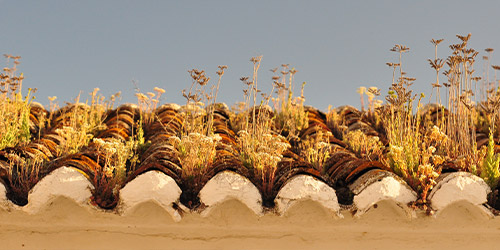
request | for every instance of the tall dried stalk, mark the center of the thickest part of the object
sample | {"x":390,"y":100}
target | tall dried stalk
{"x":460,"y":125}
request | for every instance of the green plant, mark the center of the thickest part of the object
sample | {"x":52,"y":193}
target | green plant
{"x":316,"y":149}
{"x":14,"y":109}
{"x":195,"y":152}
{"x":368,"y":147}
{"x":411,"y":155}
{"x":416,"y":162}
{"x":261,"y":152}
{"x":84,"y":122}
{"x":74,"y":139}
{"x":490,"y":166}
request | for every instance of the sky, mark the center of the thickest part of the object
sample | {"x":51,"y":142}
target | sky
{"x":72,"y":47}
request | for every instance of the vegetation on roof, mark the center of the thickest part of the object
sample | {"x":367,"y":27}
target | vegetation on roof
{"x":268,"y":137}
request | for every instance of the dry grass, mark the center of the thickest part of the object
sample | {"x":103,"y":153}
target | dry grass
{"x":24,"y":173}
{"x":460,"y":125}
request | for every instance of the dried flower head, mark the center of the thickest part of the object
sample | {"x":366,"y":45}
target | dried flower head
{"x":400,"y":48}
{"x":464,"y":39}
{"x":141,"y":96}
{"x":436,"y":42}
{"x":374,"y":90}
{"x":361,"y":90}
{"x":159,"y":90}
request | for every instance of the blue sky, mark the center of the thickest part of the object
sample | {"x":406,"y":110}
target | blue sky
{"x":336,"y":46}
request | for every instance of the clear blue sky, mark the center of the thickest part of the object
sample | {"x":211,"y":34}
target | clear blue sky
{"x":336,"y":46}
